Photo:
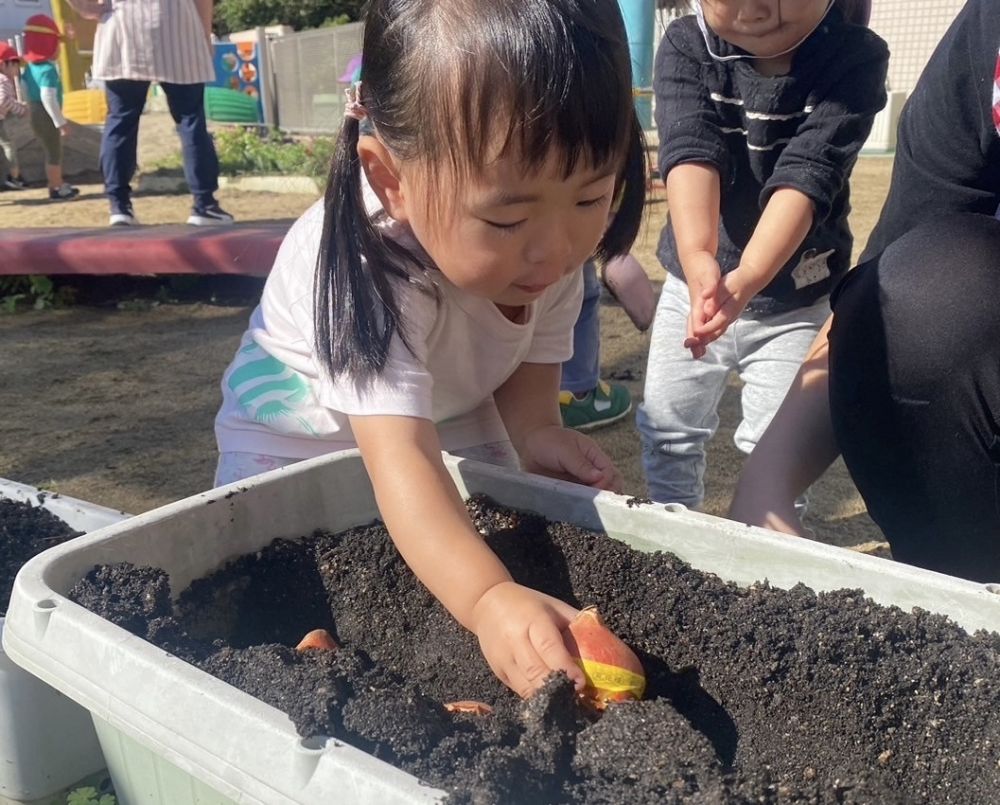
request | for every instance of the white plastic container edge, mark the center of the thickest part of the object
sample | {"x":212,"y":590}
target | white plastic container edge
{"x":47,"y":741}
{"x":211,"y":734}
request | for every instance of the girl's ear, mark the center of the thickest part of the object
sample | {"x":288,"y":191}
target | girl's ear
{"x":383,"y":176}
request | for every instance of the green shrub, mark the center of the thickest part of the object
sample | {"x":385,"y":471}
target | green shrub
{"x":238,"y":15}
{"x":36,"y":291}
{"x":244,"y":151}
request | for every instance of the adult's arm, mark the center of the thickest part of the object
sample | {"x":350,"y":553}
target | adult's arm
{"x":519,"y":629}
{"x":948,"y":150}
{"x":795,"y":450}
{"x":205,"y":11}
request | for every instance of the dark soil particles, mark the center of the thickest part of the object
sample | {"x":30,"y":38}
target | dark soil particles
{"x":25,"y":530}
{"x":754,"y":695}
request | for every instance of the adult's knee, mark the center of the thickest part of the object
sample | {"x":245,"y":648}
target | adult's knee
{"x":927,"y":304}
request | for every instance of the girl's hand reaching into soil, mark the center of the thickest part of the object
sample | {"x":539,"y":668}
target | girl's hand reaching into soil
{"x":520,"y":633}
{"x":567,"y":454}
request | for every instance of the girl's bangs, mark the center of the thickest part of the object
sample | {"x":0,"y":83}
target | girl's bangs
{"x":544,"y":89}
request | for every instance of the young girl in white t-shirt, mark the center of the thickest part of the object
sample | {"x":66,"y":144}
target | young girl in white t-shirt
{"x":428,"y":302}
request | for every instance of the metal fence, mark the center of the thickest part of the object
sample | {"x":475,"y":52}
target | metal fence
{"x":309,"y":77}
{"x":309,"y":67}
{"x":912,"y":28}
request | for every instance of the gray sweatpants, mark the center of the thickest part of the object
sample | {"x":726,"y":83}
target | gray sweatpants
{"x":679,"y":412}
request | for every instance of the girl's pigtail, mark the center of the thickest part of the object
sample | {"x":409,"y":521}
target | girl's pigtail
{"x":631,"y":189}
{"x":356,"y":312}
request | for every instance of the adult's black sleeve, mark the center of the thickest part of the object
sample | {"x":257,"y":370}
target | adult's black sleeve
{"x":947,"y":149}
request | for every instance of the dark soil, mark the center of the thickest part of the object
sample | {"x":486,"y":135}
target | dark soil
{"x":25,"y":531}
{"x":754,"y":695}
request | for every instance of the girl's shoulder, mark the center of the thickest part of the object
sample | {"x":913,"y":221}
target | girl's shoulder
{"x":684,"y":35}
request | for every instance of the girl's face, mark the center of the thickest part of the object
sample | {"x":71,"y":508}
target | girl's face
{"x":763,"y":27}
{"x":9,"y":68}
{"x":509,"y":235}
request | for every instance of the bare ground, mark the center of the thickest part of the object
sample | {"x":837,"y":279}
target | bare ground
{"x":114,"y":404}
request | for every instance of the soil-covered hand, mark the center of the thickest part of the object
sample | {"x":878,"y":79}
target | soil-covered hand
{"x":520,"y":633}
{"x":567,"y":454}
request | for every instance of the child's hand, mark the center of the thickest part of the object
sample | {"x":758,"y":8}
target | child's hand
{"x":563,"y":453}
{"x":722,"y":304}
{"x":64,"y":131}
{"x":702,"y":273}
{"x":520,"y":633}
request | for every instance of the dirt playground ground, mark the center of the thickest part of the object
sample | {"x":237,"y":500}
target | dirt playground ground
{"x":114,"y":402}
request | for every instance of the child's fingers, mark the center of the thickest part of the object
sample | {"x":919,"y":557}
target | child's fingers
{"x":717,"y":324}
{"x":549,"y":647}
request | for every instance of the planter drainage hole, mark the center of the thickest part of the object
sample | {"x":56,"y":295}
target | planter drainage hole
{"x":43,"y":611}
{"x":309,"y":751}
{"x":314,"y":743}
{"x":675,"y":507}
{"x":993,"y":588}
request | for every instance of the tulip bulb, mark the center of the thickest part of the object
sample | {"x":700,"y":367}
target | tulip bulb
{"x":613,"y":672}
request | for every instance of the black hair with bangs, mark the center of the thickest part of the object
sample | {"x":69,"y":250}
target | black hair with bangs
{"x":455,"y":83}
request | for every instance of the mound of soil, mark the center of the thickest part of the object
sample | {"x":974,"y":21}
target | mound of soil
{"x":754,"y":695}
{"x":25,"y":531}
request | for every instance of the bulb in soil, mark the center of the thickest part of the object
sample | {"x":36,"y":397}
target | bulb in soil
{"x":469,"y":706}
{"x":317,"y":639}
{"x":612,"y":671}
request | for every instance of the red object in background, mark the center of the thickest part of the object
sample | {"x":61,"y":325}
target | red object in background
{"x":41,"y":38}
{"x":247,"y":249}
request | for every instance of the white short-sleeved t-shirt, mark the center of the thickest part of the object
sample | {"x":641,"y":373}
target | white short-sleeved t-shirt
{"x":277,"y":400}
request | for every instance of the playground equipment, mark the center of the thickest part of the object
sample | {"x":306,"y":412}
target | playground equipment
{"x":76,"y":54}
{"x":639,"y":16}
{"x":88,"y":107}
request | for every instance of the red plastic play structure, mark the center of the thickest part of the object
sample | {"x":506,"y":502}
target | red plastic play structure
{"x":247,"y":249}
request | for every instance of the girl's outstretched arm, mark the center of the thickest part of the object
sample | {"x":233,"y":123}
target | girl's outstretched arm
{"x":519,"y":629}
{"x":794,"y":451}
{"x":529,"y":406}
{"x":693,"y":197}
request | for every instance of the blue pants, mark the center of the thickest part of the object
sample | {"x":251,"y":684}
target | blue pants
{"x":581,"y":372}
{"x":126,"y":100}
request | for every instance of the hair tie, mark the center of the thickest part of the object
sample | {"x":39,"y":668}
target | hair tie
{"x":354,"y":108}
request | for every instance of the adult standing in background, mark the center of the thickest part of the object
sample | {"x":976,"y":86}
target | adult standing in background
{"x":167,"y":41}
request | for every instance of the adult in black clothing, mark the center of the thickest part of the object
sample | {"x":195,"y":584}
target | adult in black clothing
{"x":904,"y":380}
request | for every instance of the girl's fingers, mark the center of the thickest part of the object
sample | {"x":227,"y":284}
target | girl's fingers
{"x":530,"y":669}
{"x":550,"y":648}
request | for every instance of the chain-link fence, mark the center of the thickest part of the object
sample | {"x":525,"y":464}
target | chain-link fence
{"x":912,"y":28}
{"x":311,"y":70}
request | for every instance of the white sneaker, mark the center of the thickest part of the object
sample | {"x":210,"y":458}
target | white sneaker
{"x":211,"y":215}
{"x":123,"y":218}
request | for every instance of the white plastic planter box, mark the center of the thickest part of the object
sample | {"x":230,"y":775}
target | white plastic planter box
{"x":173,"y":734}
{"x":47,"y":741}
